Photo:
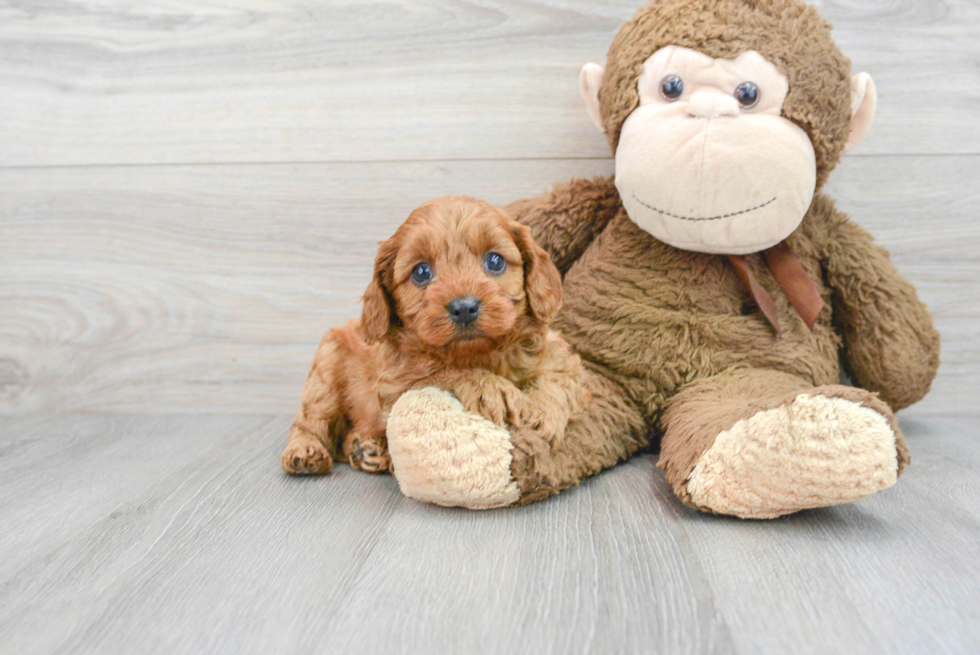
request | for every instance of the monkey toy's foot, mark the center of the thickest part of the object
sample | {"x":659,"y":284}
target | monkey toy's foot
{"x":818,"y":450}
{"x":445,"y":455}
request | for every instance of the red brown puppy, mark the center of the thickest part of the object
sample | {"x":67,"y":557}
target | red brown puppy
{"x":460,"y":299}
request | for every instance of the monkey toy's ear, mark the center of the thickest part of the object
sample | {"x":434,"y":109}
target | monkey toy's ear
{"x":379,"y":305}
{"x":589,"y":82}
{"x":864,"y":99}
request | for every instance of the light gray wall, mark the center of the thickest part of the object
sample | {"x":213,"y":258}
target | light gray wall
{"x":190,"y":197}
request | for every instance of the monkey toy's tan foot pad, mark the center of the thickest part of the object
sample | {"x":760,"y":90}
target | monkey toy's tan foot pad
{"x":445,"y":455}
{"x":815,"y":451}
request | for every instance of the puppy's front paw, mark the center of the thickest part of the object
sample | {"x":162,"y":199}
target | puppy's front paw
{"x":369,"y":456}
{"x":479,"y":397}
{"x":519,"y":410}
{"x":495,"y":399}
{"x":548,"y":422}
{"x":306,"y":458}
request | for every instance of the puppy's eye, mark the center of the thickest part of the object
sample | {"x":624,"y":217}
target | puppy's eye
{"x":747,"y":94}
{"x":671,"y":88}
{"x":494,"y":263}
{"x":422,"y":274}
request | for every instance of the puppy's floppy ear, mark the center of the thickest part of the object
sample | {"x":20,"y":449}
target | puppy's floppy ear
{"x":378,"y":315}
{"x":542,"y":281}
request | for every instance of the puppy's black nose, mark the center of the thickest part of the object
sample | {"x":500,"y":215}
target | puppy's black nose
{"x":463,"y":311}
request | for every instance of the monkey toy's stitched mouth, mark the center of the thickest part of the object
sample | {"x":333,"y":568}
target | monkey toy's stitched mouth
{"x":704,"y":218}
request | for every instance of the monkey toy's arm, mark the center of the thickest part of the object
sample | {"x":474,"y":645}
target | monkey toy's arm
{"x":566,"y":220}
{"x":890,"y":343}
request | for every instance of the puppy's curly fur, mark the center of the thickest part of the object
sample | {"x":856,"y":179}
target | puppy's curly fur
{"x":504,"y":363}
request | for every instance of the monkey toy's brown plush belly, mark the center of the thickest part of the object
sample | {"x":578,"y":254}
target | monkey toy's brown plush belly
{"x":654,"y":318}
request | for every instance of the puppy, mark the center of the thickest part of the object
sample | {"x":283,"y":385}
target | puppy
{"x":460,"y":299}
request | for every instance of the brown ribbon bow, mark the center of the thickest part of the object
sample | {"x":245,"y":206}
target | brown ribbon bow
{"x":788,"y":273}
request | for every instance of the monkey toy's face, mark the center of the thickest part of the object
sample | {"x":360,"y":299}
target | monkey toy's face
{"x":707,"y":162}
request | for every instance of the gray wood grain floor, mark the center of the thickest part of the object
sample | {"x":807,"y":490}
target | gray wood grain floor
{"x":179,"y":534}
{"x":191,"y":194}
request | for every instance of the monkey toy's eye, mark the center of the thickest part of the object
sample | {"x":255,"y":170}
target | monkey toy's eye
{"x":494,"y":263}
{"x":422,"y":274}
{"x":671,"y":88}
{"x":747,"y":94}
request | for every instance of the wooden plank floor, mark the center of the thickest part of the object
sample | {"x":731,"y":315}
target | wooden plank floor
{"x":179,"y":534}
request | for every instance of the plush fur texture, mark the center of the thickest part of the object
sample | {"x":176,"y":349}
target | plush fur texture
{"x":506,"y":365}
{"x":789,"y":458}
{"x":437,"y":466}
{"x":673,"y":342}
{"x":659,"y":322}
{"x":708,"y":410}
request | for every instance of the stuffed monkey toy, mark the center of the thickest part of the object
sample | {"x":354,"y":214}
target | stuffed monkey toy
{"x":712,"y":291}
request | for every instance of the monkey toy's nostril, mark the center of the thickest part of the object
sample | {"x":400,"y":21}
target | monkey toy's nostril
{"x":463,"y":311}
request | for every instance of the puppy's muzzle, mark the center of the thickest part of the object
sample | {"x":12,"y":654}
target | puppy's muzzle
{"x":463,"y":311}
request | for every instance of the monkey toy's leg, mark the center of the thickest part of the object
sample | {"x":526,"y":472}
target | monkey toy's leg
{"x":313,"y":436}
{"x":761,"y":444}
{"x":442,"y":454}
